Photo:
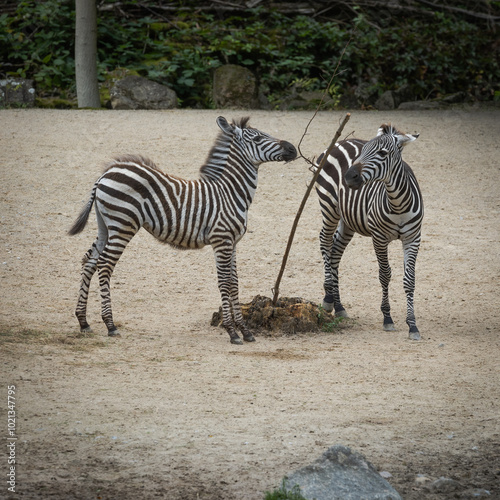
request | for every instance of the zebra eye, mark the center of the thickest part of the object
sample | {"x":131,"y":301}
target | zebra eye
{"x":383,"y":152}
{"x":257,"y":138}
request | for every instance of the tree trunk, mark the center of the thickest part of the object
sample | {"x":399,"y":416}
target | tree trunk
{"x":87,"y":89}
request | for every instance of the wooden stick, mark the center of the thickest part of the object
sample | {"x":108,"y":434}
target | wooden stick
{"x":276,"y":289}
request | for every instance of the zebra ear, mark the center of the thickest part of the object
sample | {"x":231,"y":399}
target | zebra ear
{"x":404,"y":139}
{"x":229,"y":128}
{"x":225,"y":126}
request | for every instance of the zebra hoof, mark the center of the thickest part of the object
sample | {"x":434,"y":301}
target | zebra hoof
{"x":114,"y":333}
{"x":414,"y":335}
{"x":236,"y":340}
{"x":249,"y":338}
{"x":389,"y":327}
{"x":327,"y":306}
{"x":87,"y":329}
{"x":341,"y":314}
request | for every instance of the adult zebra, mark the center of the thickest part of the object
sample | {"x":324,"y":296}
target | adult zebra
{"x":134,"y":193}
{"x":367,"y":188}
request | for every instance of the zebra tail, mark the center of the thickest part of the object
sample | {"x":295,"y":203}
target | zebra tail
{"x":82,"y":219}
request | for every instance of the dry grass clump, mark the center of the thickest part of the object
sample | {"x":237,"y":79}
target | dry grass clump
{"x":78,"y":342}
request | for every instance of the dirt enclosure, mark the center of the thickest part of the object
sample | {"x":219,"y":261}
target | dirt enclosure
{"x":172,"y":409}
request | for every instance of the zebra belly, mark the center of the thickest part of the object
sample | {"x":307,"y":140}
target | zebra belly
{"x":188,"y":230}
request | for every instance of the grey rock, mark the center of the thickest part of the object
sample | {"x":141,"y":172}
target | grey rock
{"x":235,"y":87}
{"x":455,"y":98}
{"x":403,"y":94}
{"x":391,"y":99}
{"x":421,"y":479}
{"x":348,"y":100}
{"x":135,"y":92}
{"x":444,"y":485}
{"x":386,"y":101}
{"x":475,"y":493}
{"x":422,"y":105}
{"x":366,"y":94}
{"x":17,"y":92}
{"x":341,"y":474}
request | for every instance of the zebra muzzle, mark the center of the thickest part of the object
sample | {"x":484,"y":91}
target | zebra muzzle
{"x":353,"y":177}
{"x":289,"y":151}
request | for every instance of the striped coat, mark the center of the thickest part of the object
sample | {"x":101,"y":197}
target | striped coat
{"x":211,"y":210}
{"x":367,"y":188}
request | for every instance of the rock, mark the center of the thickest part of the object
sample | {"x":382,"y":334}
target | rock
{"x":348,"y":100}
{"x":391,"y":99}
{"x":366,"y":94}
{"x":444,"y":485}
{"x":135,"y":92}
{"x":385,"y":474}
{"x":308,"y":99}
{"x":17,"y":92}
{"x":475,"y":493}
{"x":340,"y":474}
{"x":386,"y":101}
{"x":235,"y":87}
{"x":421,"y":479}
{"x":422,"y":105}
{"x":455,"y":98}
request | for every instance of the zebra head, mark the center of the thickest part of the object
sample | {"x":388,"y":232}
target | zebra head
{"x":257,"y":146}
{"x":378,"y":157}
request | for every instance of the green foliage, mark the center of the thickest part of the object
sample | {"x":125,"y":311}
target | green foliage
{"x":38,"y":42}
{"x":432,"y":56}
{"x":328,"y":323}
{"x":282,"y":493}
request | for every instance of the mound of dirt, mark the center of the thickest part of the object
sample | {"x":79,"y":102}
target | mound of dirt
{"x":290,"y":315}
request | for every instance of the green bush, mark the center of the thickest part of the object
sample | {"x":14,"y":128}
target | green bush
{"x":282,"y":493}
{"x":431,"y":56}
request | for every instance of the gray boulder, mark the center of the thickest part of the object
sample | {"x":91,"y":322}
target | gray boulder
{"x":135,"y":92}
{"x":17,"y":92}
{"x":341,"y":474}
{"x":422,"y":105}
{"x":391,"y":99}
{"x":386,"y":101}
{"x":307,"y":100}
{"x":235,"y":87}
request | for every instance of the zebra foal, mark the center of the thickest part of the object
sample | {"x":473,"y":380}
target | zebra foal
{"x":367,"y":188}
{"x":212,"y":210}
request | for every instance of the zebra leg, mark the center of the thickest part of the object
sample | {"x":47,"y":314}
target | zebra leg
{"x":106,"y":264}
{"x":341,"y":239}
{"x":330,"y":223}
{"x":223,"y":260}
{"x":89,"y":267}
{"x":384,"y":275}
{"x":235,"y":302}
{"x":410,"y":256}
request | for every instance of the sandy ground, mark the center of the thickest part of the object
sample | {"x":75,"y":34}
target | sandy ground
{"x":172,"y":409}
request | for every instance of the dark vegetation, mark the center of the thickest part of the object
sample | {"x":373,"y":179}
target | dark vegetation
{"x":433,"y":48}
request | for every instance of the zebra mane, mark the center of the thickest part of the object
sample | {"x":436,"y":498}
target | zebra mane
{"x":137,"y":159}
{"x":217,"y":156}
{"x":242,"y":123}
{"x":388,"y":129}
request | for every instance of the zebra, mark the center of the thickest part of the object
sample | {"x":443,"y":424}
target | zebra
{"x":365,"y":187}
{"x":212,"y":210}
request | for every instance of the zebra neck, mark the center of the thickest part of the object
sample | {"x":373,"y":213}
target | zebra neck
{"x":240,"y":178}
{"x":400,"y":195}
{"x":226,"y":166}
